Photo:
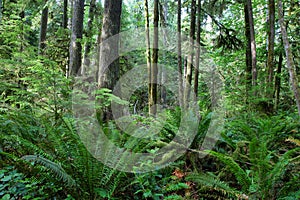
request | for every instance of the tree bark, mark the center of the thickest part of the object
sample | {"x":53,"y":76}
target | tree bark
{"x":109,"y":67}
{"x":89,"y":35}
{"x":179,"y":54}
{"x":271,"y":41}
{"x":189,"y":68}
{"x":148,"y":51}
{"x":0,"y":11}
{"x":278,"y":81}
{"x":253,"y":45}
{"x":154,"y":69}
{"x":198,"y":46}
{"x":289,"y":56}
{"x":77,"y":29}
{"x":248,"y":52}
{"x":65,"y":15}
{"x":163,"y":75}
{"x":43,"y":30}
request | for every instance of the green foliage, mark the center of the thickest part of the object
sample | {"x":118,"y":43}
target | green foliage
{"x":15,"y":185}
{"x":257,"y":166}
{"x":56,"y":168}
{"x":210,"y":182}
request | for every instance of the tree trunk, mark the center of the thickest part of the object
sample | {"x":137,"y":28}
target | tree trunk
{"x":198,"y":46}
{"x":189,"y":68}
{"x":43,"y":30}
{"x":89,"y":36}
{"x":289,"y":56}
{"x":77,"y":28}
{"x":148,"y":51}
{"x":0,"y":11}
{"x":271,"y":40}
{"x":154,"y":70}
{"x":65,"y":15}
{"x":253,"y":45}
{"x":248,"y":52}
{"x":278,"y":81}
{"x":163,"y":75}
{"x":109,"y":51}
{"x":179,"y":54}
{"x":99,"y":19}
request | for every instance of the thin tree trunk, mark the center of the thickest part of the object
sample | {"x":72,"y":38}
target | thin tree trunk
{"x":77,"y":29}
{"x":179,"y":54}
{"x":154,"y":70}
{"x":43,"y":30}
{"x":271,"y":41}
{"x":253,"y":46}
{"x":0,"y":11}
{"x":289,"y":56}
{"x":89,"y":35}
{"x":148,"y":51}
{"x":109,"y":67}
{"x":65,"y":15}
{"x":189,"y":68}
{"x":278,"y":81}
{"x":198,"y":46}
{"x":248,"y":52}
{"x":98,"y":40}
{"x":163,"y":76}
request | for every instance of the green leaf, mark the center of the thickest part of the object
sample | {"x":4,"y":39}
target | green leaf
{"x":6,"y":178}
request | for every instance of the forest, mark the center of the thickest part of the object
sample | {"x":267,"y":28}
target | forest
{"x":149,"y":99}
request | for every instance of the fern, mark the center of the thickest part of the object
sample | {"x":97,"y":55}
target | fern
{"x":234,"y":167}
{"x":279,"y":168}
{"x":54,"y":167}
{"x":212,"y":182}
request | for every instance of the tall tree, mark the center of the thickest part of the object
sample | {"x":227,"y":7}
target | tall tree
{"x":154,"y":67}
{"x":65,"y":14}
{"x":248,"y":51}
{"x":278,"y":80}
{"x":163,"y":13}
{"x":253,"y":44}
{"x":179,"y":54}
{"x":198,"y":40}
{"x":289,"y":56}
{"x":89,"y":35}
{"x":0,"y":10}
{"x":109,"y":66}
{"x":43,"y":29}
{"x":77,"y":29}
{"x":271,"y":42}
{"x":148,"y":51}
{"x":189,"y":67}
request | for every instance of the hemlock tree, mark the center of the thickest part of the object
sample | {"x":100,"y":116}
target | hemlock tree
{"x":154,"y":67}
{"x":43,"y":29}
{"x":289,"y":56}
{"x":148,"y":51}
{"x":65,"y":15}
{"x":0,"y":10}
{"x":179,"y":54}
{"x":89,"y":35}
{"x":109,"y":68}
{"x":248,"y":51}
{"x":198,"y":46}
{"x":253,"y":43}
{"x":189,"y":68}
{"x":76,"y":35}
{"x":271,"y":44}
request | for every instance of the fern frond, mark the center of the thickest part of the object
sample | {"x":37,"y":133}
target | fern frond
{"x":213,"y":182}
{"x":234,"y":167}
{"x":54,"y":167}
{"x":280,"y":167}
